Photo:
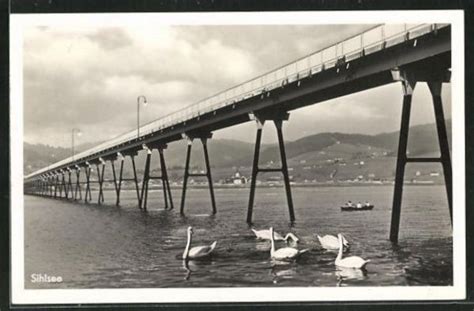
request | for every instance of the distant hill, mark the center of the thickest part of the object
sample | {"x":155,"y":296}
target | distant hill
{"x":37,"y":156}
{"x":315,"y":156}
{"x":422,"y":139}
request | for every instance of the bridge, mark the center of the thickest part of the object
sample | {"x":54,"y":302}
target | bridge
{"x":385,"y":54}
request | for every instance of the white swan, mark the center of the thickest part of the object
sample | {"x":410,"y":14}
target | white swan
{"x":348,"y":262}
{"x":330,"y":242}
{"x":197,"y":251}
{"x":266,"y":235}
{"x":285,"y":253}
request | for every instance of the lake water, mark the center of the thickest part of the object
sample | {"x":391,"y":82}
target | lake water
{"x":92,"y":246}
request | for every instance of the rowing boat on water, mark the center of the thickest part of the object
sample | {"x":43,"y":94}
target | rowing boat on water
{"x":355,"y":208}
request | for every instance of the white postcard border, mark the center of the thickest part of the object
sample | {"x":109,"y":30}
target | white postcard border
{"x":18,"y":22}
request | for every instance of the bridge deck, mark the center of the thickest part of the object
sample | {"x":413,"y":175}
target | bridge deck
{"x":358,"y":63}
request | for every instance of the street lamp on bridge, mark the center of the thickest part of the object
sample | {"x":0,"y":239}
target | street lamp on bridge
{"x":138,"y":112}
{"x":78,"y":133}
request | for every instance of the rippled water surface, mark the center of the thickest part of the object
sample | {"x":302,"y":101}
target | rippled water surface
{"x":92,"y":246}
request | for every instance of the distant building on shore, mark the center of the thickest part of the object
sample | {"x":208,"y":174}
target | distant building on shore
{"x":236,"y":179}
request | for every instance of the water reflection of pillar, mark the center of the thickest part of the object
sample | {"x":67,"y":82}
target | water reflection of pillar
{"x":409,"y":77}
{"x":277,"y":118}
{"x":203,"y":137}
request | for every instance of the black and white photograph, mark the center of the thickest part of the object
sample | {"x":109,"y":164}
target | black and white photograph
{"x":237,"y":157}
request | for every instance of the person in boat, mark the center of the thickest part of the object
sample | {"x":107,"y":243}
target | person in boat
{"x":367,"y":203}
{"x":349,"y":203}
{"x":359,"y":205}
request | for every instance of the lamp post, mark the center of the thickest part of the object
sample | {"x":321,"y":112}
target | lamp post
{"x":138,"y":113}
{"x":78,"y":133}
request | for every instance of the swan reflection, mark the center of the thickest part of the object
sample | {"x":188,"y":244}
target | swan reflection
{"x":192,"y":266}
{"x":263,"y":246}
{"x":188,"y":270}
{"x":282,"y":270}
{"x":346,"y":274}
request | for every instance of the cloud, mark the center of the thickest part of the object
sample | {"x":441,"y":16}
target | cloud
{"x":111,"y":39}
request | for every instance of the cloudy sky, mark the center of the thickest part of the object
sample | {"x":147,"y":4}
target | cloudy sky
{"x":90,"y":77}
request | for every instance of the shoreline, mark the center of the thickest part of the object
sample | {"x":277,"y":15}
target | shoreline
{"x":293,"y":185}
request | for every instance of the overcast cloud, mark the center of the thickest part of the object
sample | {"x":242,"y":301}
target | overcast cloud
{"x":89,"y":78}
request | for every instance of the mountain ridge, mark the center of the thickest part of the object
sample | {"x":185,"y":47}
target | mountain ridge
{"x":233,"y":154}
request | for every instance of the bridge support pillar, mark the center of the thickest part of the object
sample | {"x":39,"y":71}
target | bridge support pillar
{"x":88,"y":194}
{"x":167,"y":197}
{"x":445,"y":159}
{"x":49,"y":188}
{"x":118,"y":181}
{"x":78,"y":184}
{"x":135,"y":179}
{"x":117,"y":184}
{"x":145,"y":181}
{"x":203,"y":137}
{"x":165,"y":181}
{"x":69,"y":184}
{"x":56,"y":183}
{"x":100,"y":180}
{"x":62,"y":186}
{"x":278,"y":121}
{"x":409,"y":80}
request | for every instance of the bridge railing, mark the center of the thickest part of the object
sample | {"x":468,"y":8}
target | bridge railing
{"x":368,"y":42}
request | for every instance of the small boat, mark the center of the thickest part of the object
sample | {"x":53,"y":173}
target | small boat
{"x":355,"y":208}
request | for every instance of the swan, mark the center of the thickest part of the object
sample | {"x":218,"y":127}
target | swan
{"x":266,"y":235}
{"x":285,"y":253}
{"x":330,"y":242}
{"x":197,"y":252}
{"x":348,"y":262}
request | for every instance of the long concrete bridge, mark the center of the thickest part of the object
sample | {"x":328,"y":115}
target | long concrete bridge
{"x":384,"y":54}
